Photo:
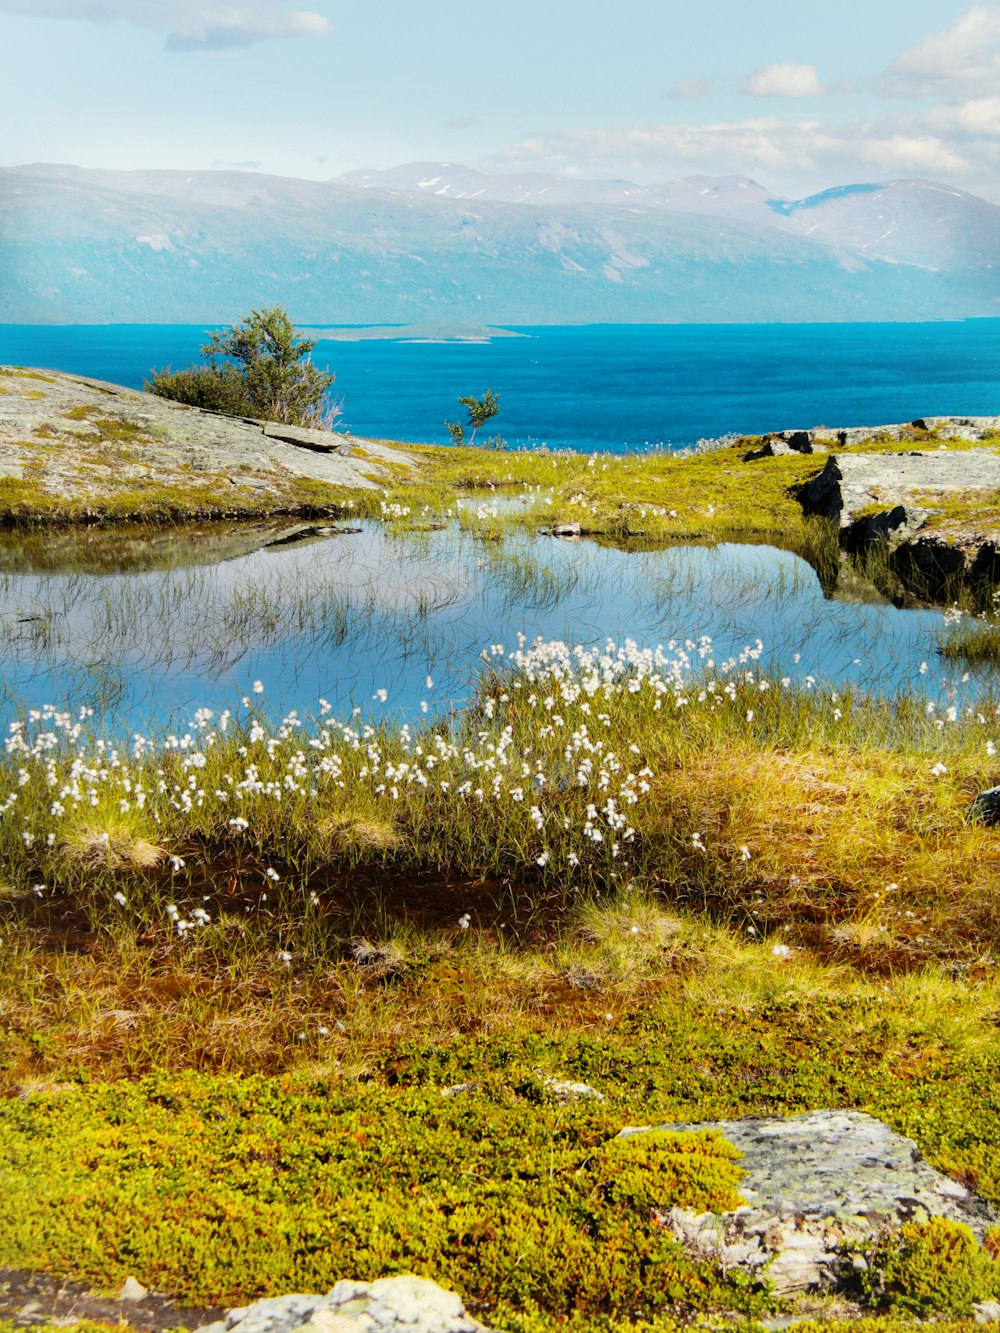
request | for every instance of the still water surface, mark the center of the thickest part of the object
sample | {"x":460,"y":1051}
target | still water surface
{"x":147,"y":630}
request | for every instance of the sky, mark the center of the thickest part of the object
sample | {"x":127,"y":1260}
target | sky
{"x":799,"y":94}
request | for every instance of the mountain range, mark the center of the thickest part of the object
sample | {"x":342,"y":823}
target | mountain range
{"x":436,"y":241}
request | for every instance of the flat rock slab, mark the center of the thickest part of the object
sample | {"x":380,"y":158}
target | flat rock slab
{"x":404,"y":1304}
{"x":75,"y":429}
{"x":815,"y":1183}
{"x":852,"y":482}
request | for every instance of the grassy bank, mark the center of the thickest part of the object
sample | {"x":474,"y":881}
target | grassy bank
{"x":701,"y":890}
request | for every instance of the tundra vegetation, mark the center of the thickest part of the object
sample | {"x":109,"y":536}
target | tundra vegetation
{"x":244,"y":960}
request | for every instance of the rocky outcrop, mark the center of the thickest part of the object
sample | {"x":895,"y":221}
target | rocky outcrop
{"x":785,"y":442}
{"x":887,"y":499}
{"x":394,"y":1304}
{"x":71,"y":436}
{"x":818,"y":1187}
{"x":823,"y":438}
{"x":985,"y":809}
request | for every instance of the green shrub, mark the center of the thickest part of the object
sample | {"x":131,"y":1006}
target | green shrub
{"x":932,"y":1268}
{"x":222,"y":1190}
{"x":218,"y":388}
{"x":264,"y":372}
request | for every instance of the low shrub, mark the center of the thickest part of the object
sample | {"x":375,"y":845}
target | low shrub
{"x":932,"y":1268}
{"x":224,"y":1190}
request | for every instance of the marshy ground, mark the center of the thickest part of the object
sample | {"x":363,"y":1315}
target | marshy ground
{"x":246,"y":949}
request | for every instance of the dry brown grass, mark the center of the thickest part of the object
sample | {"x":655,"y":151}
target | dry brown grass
{"x":829,"y":831}
{"x":348,"y":833}
{"x":126,"y":1006}
{"x":111,"y":849}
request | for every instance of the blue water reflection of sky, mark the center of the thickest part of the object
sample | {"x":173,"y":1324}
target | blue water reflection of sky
{"x":348,"y":617}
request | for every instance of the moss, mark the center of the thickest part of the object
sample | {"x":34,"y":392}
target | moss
{"x":39,"y":1324}
{"x":113,"y":429}
{"x":29,"y":501}
{"x":220,"y":1191}
{"x":872,"y":510}
{"x":15,"y":372}
{"x":978,"y":509}
{"x":640,"y":1171}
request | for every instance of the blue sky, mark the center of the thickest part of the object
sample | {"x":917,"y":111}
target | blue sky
{"x":798,"y":94}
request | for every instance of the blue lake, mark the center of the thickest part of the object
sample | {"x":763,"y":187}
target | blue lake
{"x":615,"y":387}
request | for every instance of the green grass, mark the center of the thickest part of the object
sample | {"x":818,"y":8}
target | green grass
{"x":661,"y":496}
{"x":971,"y":638}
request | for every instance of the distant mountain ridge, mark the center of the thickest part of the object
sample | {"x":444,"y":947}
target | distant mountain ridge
{"x":433,"y":241}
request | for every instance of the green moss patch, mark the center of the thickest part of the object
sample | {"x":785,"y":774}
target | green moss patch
{"x":223,"y":1190}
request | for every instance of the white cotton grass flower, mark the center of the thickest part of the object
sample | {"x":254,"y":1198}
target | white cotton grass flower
{"x":939,"y":770}
{"x":464,"y":921}
{"x":258,"y":687}
{"x":744,"y":853}
{"x":120,"y":898}
{"x":272,"y":874}
{"x":781,"y":951}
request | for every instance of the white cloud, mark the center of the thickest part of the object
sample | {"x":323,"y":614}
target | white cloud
{"x":190,"y":24}
{"x":791,"y":156}
{"x":964,"y":59}
{"x":980,"y":116}
{"x":952,"y":134}
{"x":784,"y":80}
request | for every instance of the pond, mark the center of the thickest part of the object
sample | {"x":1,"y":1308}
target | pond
{"x":146,"y":628}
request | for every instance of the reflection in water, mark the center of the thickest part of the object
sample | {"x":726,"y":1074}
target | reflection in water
{"x":196,"y":619}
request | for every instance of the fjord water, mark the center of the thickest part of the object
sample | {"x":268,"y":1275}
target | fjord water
{"x":346,"y":618}
{"x":606,"y":388}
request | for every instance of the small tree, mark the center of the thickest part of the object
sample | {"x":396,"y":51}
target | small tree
{"x":480,"y":410}
{"x":257,"y":368}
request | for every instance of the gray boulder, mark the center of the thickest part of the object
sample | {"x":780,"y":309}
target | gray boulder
{"x":817,"y":1186}
{"x":405,"y":1304}
{"x":985,"y":809}
{"x":886,"y":499}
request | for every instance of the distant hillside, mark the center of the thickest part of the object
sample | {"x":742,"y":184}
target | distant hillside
{"x":432,"y":242}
